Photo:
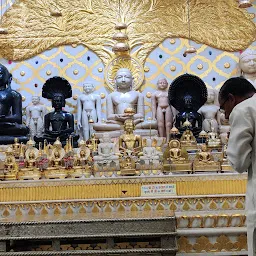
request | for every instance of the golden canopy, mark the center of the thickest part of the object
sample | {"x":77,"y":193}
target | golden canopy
{"x":32,"y":29}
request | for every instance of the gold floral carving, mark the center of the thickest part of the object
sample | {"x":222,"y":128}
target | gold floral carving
{"x":241,"y":243}
{"x":32,"y":30}
{"x":184,"y":245}
{"x":203,"y":244}
{"x":223,"y":243}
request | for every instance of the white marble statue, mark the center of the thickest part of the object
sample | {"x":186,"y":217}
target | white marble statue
{"x":224,"y":127}
{"x":106,"y":160}
{"x":247,"y":64}
{"x":150,"y":155}
{"x":161,"y":110}
{"x":88,"y":107}
{"x":209,"y":111}
{"x":35,"y":117}
{"x":213,"y":139}
{"x":122,"y":98}
{"x":106,"y":149}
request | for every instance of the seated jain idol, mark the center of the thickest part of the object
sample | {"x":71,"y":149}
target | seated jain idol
{"x":11,"y":126}
{"x":59,"y":123}
{"x":187,"y":93}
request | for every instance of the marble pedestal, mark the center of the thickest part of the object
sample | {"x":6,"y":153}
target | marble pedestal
{"x":178,"y":167}
{"x":106,"y":165}
{"x":148,"y":164}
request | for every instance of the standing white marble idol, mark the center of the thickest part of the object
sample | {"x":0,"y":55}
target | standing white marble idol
{"x":161,"y":110}
{"x":35,"y":117}
{"x":209,"y":111}
{"x":88,"y":107}
{"x":247,"y":64}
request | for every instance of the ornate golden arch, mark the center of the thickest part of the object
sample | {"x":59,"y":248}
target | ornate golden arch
{"x":32,"y":29}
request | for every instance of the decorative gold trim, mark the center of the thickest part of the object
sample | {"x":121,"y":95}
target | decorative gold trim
{"x":213,"y":220}
{"x":113,"y":187}
{"x":69,"y":207}
{"x":208,"y":244}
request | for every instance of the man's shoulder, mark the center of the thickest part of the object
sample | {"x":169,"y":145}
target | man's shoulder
{"x":244,"y":109}
{"x":246,"y":104}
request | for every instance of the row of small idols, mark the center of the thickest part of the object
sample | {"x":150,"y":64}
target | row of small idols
{"x":130,"y":154}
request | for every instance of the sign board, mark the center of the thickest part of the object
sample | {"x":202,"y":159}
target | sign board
{"x":158,"y":190}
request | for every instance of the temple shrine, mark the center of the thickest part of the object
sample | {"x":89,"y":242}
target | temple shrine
{"x":112,"y":140}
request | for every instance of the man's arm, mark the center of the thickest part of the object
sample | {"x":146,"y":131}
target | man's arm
{"x":239,"y":145}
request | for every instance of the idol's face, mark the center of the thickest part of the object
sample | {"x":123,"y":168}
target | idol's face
{"x":128,"y":127}
{"x":124,"y":79}
{"x":188,"y":102}
{"x":105,"y":138}
{"x":35,"y":100}
{"x":88,"y":88}
{"x":82,"y":153}
{"x":56,"y":154}
{"x":4,"y":75}
{"x":210,"y":96}
{"x":174,"y":144}
{"x":31,"y":155}
{"x":57,"y":102}
{"x":162,"y":84}
{"x":248,"y":64}
{"x":204,"y":148}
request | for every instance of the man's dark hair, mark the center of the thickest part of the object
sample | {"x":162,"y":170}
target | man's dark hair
{"x":238,"y":86}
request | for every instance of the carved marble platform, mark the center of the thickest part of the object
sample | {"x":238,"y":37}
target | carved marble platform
{"x":107,"y":231}
{"x":209,"y":207}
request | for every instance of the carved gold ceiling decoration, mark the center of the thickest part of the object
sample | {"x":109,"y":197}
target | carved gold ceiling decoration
{"x":32,"y":29}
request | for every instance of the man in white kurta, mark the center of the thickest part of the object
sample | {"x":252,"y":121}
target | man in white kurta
{"x":238,"y":99}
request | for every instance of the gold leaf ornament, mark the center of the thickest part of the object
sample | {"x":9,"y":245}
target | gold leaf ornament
{"x":32,"y":30}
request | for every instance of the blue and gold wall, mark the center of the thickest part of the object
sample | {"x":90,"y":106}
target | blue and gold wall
{"x":78,"y":64}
